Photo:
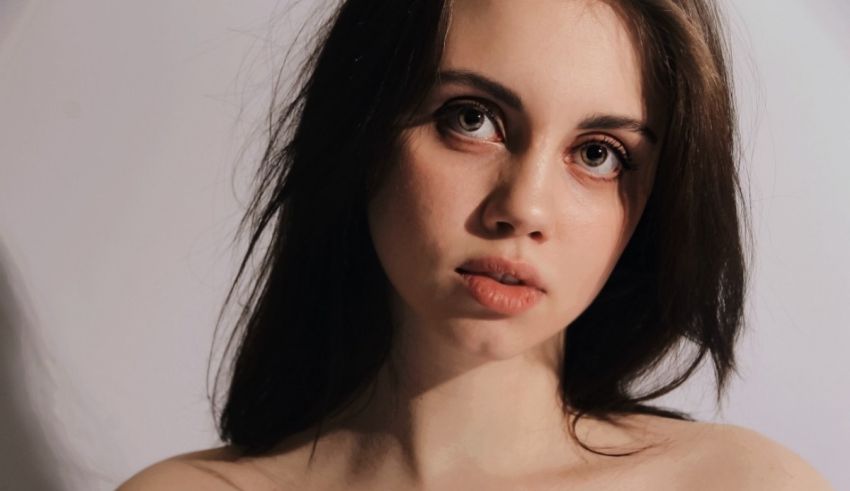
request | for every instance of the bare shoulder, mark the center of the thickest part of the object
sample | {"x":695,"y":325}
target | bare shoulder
{"x":724,"y":456}
{"x":214,"y":469}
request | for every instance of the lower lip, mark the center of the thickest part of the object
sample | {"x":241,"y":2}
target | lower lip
{"x":499,"y":297}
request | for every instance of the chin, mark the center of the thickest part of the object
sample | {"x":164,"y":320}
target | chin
{"x":493,"y":340}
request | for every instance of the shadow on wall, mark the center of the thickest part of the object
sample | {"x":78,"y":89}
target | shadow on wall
{"x":10,"y":11}
{"x":28,"y":461}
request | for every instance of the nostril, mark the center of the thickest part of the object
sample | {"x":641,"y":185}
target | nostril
{"x":504,"y":228}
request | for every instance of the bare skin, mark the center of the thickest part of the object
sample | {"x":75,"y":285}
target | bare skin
{"x":475,"y":402}
{"x":688,"y":456}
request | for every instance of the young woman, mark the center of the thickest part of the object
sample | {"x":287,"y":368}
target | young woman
{"x":490,"y":224}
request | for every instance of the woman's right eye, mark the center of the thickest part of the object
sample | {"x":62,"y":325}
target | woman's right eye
{"x":471,"y":120}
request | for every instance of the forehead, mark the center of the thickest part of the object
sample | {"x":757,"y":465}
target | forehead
{"x":575,"y":54}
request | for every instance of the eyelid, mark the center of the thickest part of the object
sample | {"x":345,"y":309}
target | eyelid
{"x":494,"y":112}
{"x":489,"y":109}
{"x":622,"y":151}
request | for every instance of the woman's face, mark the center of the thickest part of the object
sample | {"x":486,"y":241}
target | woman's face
{"x":537,"y":148}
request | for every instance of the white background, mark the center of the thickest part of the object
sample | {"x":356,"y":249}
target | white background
{"x":125,"y":143}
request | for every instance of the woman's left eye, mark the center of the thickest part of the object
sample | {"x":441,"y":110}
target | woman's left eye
{"x":470,"y":119}
{"x":604,"y":158}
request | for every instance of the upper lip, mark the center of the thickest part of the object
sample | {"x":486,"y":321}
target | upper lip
{"x":498,"y":265}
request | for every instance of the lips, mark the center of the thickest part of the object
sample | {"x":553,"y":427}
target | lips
{"x":504,"y":271}
{"x":502,"y":286}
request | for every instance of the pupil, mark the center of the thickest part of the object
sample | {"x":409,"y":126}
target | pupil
{"x":471,"y":119}
{"x":595,"y":154}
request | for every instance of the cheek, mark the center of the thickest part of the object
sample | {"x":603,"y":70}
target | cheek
{"x":596,"y":225}
{"x":595,"y":242}
{"x":394,"y":221}
{"x":413,"y":219}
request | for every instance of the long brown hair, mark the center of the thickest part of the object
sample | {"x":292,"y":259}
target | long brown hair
{"x":299,"y":360}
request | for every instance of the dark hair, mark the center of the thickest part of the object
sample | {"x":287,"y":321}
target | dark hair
{"x":300,"y":358}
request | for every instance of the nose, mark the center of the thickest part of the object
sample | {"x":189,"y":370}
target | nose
{"x":521,"y":201}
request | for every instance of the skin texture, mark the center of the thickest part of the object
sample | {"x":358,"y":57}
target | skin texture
{"x":470,"y":399}
{"x":517,"y":187}
{"x":456,"y":194}
{"x":697,"y":457}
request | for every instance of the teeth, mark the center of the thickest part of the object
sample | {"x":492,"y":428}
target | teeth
{"x":510,"y":280}
{"x":504,"y":278}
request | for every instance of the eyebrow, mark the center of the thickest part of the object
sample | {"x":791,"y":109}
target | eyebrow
{"x":613,"y":122}
{"x":492,"y":87}
{"x":512,"y":99}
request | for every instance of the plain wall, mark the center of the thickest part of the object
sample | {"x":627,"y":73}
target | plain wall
{"x":125,"y":144}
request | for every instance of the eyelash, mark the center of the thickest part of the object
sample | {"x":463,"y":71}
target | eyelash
{"x":445,"y":114}
{"x":619,"y":150}
{"x":450,"y":109}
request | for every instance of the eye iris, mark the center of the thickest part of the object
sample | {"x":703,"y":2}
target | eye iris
{"x":471,"y":119}
{"x":594,"y":154}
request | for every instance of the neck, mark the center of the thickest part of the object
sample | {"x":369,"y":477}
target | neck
{"x":433,"y":415}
